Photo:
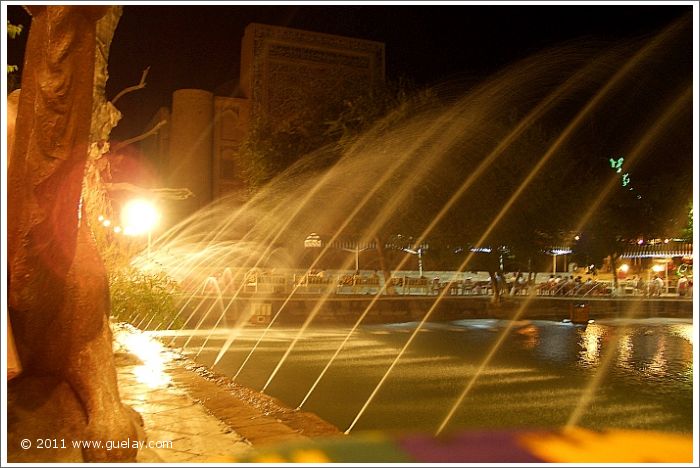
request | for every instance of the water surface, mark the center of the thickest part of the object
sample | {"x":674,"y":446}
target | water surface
{"x":534,"y":381}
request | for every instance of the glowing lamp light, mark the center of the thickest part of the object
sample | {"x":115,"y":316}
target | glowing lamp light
{"x":640,"y":241}
{"x":139,"y":216}
{"x":100,"y":218}
{"x":577,"y":237}
{"x":624,"y":268}
{"x":106,"y":223}
{"x":117,"y":229}
{"x":657,"y":268}
{"x":563,"y":251}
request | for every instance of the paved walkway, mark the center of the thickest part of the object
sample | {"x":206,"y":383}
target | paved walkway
{"x":188,"y":418}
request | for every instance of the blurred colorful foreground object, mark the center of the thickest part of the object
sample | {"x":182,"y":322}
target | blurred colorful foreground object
{"x":566,"y":446}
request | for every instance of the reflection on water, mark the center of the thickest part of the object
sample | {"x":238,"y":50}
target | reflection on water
{"x":658,"y":361}
{"x":532,"y":336}
{"x":590,"y":344}
{"x":684,"y":331}
{"x":534,"y":381}
{"x":624,"y":351}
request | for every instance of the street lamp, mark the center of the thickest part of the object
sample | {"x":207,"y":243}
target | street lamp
{"x":314,"y":241}
{"x":140,"y":216}
{"x":357,"y":251}
{"x":418,"y":252}
{"x":559,"y":251}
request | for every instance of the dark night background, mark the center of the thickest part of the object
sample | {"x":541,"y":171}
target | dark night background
{"x":199,"y":46}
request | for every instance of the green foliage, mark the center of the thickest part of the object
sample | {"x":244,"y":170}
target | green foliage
{"x":688,"y":230}
{"x":364,"y":110}
{"x":135,"y":293}
{"x":274,"y":145}
{"x":13,"y":80}
{"x":270,"y":149}
{"x":13,"y":30}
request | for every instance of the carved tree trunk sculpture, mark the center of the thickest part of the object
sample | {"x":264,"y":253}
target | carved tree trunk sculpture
{"x":58,"y":293}
{"x":104,"y":118}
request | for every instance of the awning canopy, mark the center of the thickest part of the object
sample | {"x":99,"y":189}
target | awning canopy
{"x":313,"y":240}
{"x":558,"y":250}
{"x":660,"y":250}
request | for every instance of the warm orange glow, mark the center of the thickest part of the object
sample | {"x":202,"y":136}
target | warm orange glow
{"x":151,"y":352}
{"x":139,"y":216}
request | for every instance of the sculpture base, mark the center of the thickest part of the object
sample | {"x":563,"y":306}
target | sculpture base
{"x":46,"y":422}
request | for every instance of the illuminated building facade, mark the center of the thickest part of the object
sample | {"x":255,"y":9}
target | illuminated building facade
{"x":281,"y":69}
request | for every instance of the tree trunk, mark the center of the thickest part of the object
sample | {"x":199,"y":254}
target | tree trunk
{"x":613,"y":266}
{"x":104,"y":118}
{"x":386,"y":272}
{"x":496,"y":295}
{"x":57,"y":293}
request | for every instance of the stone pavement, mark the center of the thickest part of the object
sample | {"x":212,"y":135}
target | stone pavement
{"x":177,"y":428}
{"x":189,"y":418}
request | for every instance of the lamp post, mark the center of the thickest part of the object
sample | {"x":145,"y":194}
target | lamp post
{"x":357,"y":251}
{"x":140,"y":216}
{"x":559,"y":251}
{"x":418,"y":252}
{"x":357,"y":256}
{"x":313,"y":240}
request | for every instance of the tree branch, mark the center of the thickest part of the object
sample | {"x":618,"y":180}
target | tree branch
{"x":169,"y":193}
{"x":141,"y":85}
{"x":143,"y":136}
{"x":173,"y":193}
{"x":126,"y":187}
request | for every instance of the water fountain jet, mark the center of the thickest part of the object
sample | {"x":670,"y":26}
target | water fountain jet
{"x":566,"y":133}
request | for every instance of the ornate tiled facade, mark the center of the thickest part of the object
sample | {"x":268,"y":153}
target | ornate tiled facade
{"x":284,"y":68}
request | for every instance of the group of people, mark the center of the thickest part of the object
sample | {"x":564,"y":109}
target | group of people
{"x":685,"y":286}
{"x":568,"y":286}
{"x":512,"y":284}
{"x":657,"y":286}
{"x":640,"y":287}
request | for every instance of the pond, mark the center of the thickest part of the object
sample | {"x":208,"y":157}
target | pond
{"x":535,"y":379}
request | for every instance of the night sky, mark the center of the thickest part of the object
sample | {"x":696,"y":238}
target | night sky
{"x":199,"y":46}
